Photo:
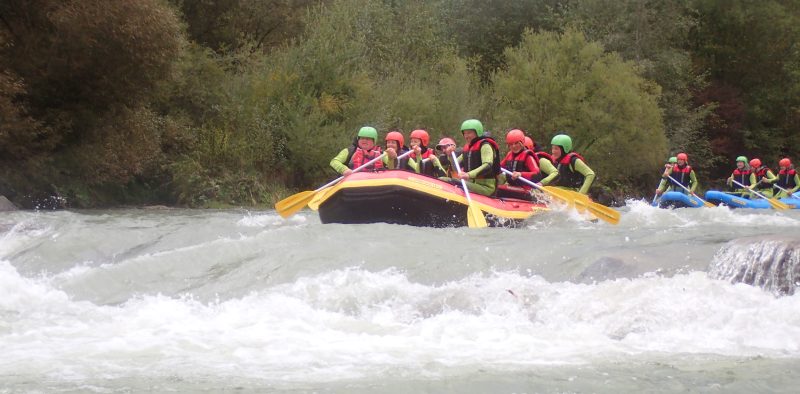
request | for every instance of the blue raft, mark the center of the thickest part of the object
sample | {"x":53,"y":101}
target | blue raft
{"x":718,"y":197}
{"x":678,"y":200}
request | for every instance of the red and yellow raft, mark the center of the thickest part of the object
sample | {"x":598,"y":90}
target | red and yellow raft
{"x":403,"y":197}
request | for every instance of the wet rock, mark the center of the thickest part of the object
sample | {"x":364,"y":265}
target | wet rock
{"x":606,"y":268}
{"x":6,"y":205}
{"x":771,"y":263}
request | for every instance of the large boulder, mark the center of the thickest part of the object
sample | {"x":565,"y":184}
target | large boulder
{"x":772,"y":263}
{"x":6,"y":205}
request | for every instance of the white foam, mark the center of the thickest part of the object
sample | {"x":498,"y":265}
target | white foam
{"x":270,"y":219}
{"x":642,"y":213}
{"x":352,"y":323}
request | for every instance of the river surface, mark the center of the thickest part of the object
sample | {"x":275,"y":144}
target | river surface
{"x":245,"y":301}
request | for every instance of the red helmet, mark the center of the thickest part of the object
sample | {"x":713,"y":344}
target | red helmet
{"x":528,"y":143}
{"x":682,"y":156}
{"x":422,"y":135}
{"x":444,"y":142}
{"x":785,"y":162}
{"x":755,"y":163}
{"x":515,"y":136}
{"x":396,"y":136}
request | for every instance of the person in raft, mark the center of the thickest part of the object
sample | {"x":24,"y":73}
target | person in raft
{"x":480,"y":160}
{"x":423,"y":160}
{"x":671,"y":162}
{"x":395,"y":146}
{"x":544,"y":161}
{"x":742,"y":174}
{"x":362,"y":151}
{"x":681,"y":172}
{"x":764,"y":178}
{"x":787,"y":179}
{"x":573,"y":173}
{"x":520,"y":162}
{"x":442,"y":166}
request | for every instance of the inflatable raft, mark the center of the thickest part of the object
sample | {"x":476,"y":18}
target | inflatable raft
{"x":718,"y":197}
{"x":403,"y":197}
{"x":678,"y":200}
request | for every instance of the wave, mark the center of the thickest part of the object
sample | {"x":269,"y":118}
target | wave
{"x":351,"y":323}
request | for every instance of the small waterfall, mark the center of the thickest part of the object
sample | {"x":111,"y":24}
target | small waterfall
{"x":770,"y":263}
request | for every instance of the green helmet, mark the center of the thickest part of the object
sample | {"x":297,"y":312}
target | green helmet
{"x":368,"y":132}
{"x":742,"y":158}
{"x":563,"y":141}
{"x":472,"y":124}
{"x":673,"y":159}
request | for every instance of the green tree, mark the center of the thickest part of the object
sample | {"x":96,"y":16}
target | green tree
{"x":751,"y":53}
{"x":563,"y":83}
{"x":654,"y":34}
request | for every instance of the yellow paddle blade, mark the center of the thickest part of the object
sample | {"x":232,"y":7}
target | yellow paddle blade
{"x":558,"y":193}
{"x":475,"y":218}
{"x":775,"y":204}
{"x":598,"y":210}
{"x":290,"y":205}
{"x":605,"y":213}
{"x":318,"y":199}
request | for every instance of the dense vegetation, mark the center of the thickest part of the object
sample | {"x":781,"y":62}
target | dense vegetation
{"x":239,"y":102}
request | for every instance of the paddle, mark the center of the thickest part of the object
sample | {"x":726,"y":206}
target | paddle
{"x":570,"y":197}
{"x":775,"y":204}
{"x":788,"y":193}
{"x":706,"y":203}
{"x":475,"y":218}
{"x":290,"y":205}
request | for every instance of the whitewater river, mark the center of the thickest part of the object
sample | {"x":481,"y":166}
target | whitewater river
{"x":191,"y":300}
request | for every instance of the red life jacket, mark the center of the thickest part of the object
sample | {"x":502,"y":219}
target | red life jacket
{"x":536,"y":178}
{"x":682,"y":176}
{"x":361,"y":156}
{"x":473,"y":160}
{"x":761,"y":172}
{"x":567,"y":176}
{"x":741,"y":176}
{"x":426,"y":167}
{"x":518,"y":163}
{"x":543,"y":154}
{"x":786,"y":178}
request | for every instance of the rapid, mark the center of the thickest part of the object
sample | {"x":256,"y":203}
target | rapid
{"x":199,"y":300}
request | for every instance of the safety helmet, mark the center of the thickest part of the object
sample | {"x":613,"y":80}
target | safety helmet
{"x":673,"y":159}
{"x":528,"y":143}
{"x":368,"y":132}
{"x":422,"y":135}
{"x":396,"y":136}
{"x":683,"y":156}
{"x":472,"y":124}
{"x":563,"y":141}
{"x":515,"y":136}
{"x":445,"y":142}
{"x":785,"y":162}
{"x":755,"y":163}
{"x":742,"y":159}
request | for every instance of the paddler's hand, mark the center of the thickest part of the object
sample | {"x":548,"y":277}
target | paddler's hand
{"x":417,"y":150}
{"x":391,"y":153}
{"x":448,"y":149}
{"x":658,"y":192}
{"x":515,"y":175}
{"x":463,"y":175}
{"x":347,"y":172}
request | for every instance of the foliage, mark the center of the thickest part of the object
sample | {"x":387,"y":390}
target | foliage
{"x":229,"y":102}
{"x":558,"y":83}
{"x":752,"y":57}
{"x":653,"y":34}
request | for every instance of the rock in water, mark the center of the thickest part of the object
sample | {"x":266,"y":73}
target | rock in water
{"x":6,"y":205}
{"x":770,"y":263}
{"x":606,"y":268}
